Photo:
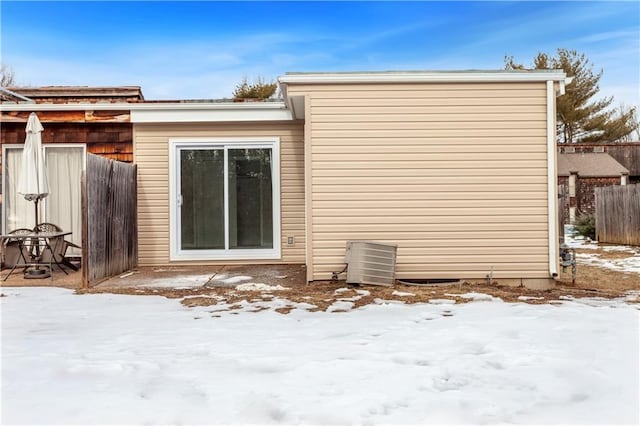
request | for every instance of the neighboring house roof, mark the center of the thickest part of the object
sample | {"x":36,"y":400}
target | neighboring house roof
{"x":625,"y":153}
{"x":590,"y":165}
{"x":7,"y":95}
{"x":79,"y":94}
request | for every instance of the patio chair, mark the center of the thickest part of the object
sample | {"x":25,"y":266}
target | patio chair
{"x":16,"y":252}
{"x":58,"y":247}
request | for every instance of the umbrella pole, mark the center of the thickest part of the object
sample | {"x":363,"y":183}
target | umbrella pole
{"x":36,"y":201}
{"x":37,"y":272}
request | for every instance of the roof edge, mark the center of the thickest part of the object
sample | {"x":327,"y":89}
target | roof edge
{"x":424,"y":77}
{"x":144,"y":106}
{"x":16,"y":95}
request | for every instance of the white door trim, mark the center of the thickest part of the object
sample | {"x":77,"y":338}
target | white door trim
{"x":175,"y":145}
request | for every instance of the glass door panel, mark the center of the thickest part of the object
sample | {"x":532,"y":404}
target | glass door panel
{"x":202,"y":199}
{"x":250,"y":198}
{"x":63,"y":205}
{"x":18,"y":212}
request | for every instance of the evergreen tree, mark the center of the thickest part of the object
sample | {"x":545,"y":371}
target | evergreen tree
{"x":579,"y":117}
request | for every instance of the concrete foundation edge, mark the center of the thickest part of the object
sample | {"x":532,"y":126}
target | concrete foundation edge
{"x":530,"y":283}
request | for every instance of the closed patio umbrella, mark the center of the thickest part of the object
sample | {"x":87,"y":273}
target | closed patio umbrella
{"x":32,"y":182}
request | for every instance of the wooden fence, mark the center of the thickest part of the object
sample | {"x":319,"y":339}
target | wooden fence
{"x":618,"y":214}
{"x":109,"y":219}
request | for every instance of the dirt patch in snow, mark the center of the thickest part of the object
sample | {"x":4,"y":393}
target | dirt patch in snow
{"x":610,"y":254}
{"x":591,"y":281}
{"x":600,"y":279}
{"x":602,"y":253}
{"x":322,"y":295}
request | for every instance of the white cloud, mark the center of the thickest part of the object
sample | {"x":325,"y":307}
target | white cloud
{"x":606,"y":36}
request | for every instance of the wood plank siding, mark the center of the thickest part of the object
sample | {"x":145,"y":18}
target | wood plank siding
{"x":152,"y":157}
{"x":455,"y":174}
{"x":109,"y":140}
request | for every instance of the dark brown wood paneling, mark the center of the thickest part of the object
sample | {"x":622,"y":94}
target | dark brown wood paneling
{"x":628,"y":156}
{"x":111,"y":140}
{"x":68,"y":116}
{"x":585,"y":186}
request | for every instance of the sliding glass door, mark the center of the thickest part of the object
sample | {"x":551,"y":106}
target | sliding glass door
{"x":250,"y":199}
{"x":227,"y":202}
{"x":202,"y":199}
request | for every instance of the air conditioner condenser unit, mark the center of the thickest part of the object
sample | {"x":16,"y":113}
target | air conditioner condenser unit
{"x":370,"y":262}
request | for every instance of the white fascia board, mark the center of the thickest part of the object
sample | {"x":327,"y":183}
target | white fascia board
{"x":209,"y":115}
{"x":142,"y":106}
{"x":424,"y":77}
{"x":175,"y":111}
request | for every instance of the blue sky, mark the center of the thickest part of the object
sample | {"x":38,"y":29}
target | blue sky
{"x":180,"y":50}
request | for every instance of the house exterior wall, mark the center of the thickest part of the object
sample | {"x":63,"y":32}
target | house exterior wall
{"x":585,"y":195}
{"x":584,"y":200}
{"x":110,"y":140}
{"x":151,"y":142}
{"x":454,"y":174}
{"x":113,"y":140}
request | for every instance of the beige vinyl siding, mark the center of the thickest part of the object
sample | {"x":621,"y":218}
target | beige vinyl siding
{"x":455,"y":174}
{"x":151,"y":146}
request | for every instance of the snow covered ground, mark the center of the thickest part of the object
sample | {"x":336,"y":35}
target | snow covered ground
{"x":118,"y":359}
{"x":629,"y":263}
{"x":626,"y":264}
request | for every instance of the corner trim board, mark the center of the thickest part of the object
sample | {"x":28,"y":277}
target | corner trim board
{"x":552,"y":180}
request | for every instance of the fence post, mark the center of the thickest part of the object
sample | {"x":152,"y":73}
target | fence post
{"x":598,"y":212}
{"x":85,"y":264}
